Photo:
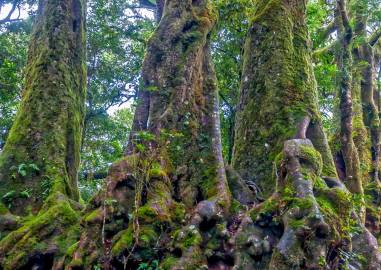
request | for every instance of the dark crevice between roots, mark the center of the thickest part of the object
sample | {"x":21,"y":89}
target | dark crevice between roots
{"x":199,"y":196}
{"x":130,"y":265}
{"x":39,"y":262}
{"x":215,"y":262}
{"x":176,"y":191}
{"x":206,"y":225}
{"x":126,"y":183}
{"x":177,"y":252}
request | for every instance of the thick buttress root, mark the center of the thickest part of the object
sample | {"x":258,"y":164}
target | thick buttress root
{"x":297,"y":226}
{"x":122,"y":230}
{"x":303,"y":220}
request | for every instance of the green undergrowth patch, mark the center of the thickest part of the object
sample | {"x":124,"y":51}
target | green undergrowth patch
{"x":55,"y":228}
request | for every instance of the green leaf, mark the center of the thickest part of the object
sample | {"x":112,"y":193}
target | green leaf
{"x":34,"y":167}
{"x":22,"y":169}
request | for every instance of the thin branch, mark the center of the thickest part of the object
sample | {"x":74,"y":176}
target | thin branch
{"x":8,"y":18}
{"x":325,"y":32}
{"x":375,"y":37}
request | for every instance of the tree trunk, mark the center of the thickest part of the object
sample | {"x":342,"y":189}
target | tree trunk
{"x":39,"y":164}
{"x":278,"y":103}
{"x":141,"y":115}
{"x":173,"y":183}
{"x":41,"y":155}
{"x":344,"y":60}
{"x":278,"y":91}
{"x":364,"y":54}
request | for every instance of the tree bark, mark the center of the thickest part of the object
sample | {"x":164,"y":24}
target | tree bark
{"x":278,"y":109}
{"x":278,"y":90}
{"x":40,"y":161}
{"x":41,"y":155}
{"x":344,"y":60}
{"x":364,"y":54}
{"x":141,"y":115}
{"x":174,"y":182}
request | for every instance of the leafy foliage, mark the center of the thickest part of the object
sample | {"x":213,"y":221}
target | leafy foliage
{"x":13,"y":44}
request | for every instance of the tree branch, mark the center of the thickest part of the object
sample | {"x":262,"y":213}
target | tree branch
{"x":326,"y":31}
{"x":375,"y":37}
{"x":8,"y":18}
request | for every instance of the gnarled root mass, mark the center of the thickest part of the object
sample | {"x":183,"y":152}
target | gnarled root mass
{"x":308,"y":223}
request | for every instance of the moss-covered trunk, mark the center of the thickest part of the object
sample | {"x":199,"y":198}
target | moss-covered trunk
{"x":364,"y":60}
{"x":278,"y":92}
{"x":303,"y":224}
{"x":41,"y":154}
{"x":171,"y":188}
{"x":39,"y":163}
{"x":344,"y":61}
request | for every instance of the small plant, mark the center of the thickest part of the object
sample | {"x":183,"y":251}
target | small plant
{"x":46,"y":186}
{"x":154,"y":265}
{"x":25,"y":169}
{"x":347,"y":257}
{"x":8,"y":198}
{"x":110,"y":202}
{"x":25,"y":194}
{"x":145,"y":136}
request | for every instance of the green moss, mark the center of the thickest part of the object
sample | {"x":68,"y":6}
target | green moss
{"x":303,"y":203}
{"x":147,"y":214}
{"x":94,"y":215}
{"x":48,"y":126}
{"x":3,"y":210}
{"x":320,"y":183}
{"x":168,"y":263}
{"x":313,"y":157}
{"x":147,"y":236}
{"x":66,"y":240}
{"x":54,"y":226}
{"x":71,"y":249}
{"x":76,"y":263}
{"x":192,"y":238}
{"x":157,"y":171}
{"x":336,"y":207}
{"x":297,"y":223}
{"x":278,"y":91}
{"x":235,"y":207}
{"x":178,"y":212}
{"x":123,"y":240}
{"x":270,"y":206}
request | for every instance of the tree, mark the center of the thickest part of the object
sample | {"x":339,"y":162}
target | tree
{"x":344,"y":60}
{"x":39,"y":162}
{"x":278,"y":109}
{"x":176,"y":164}
{"x":283,"y":86}
{"x":117,"y":34}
